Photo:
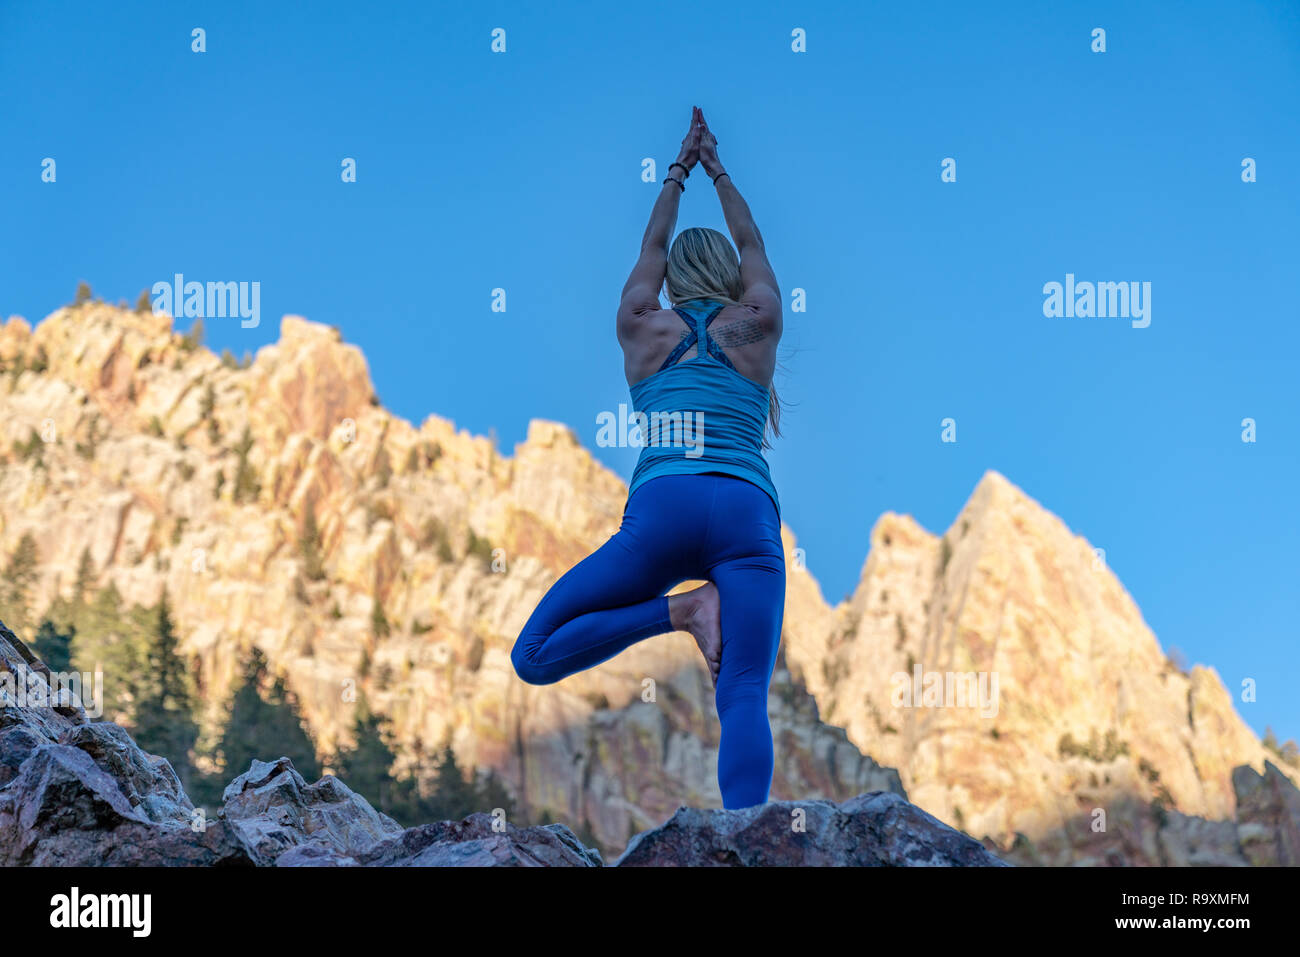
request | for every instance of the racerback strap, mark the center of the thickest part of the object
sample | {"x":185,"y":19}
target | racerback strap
{"x":699,"y":326}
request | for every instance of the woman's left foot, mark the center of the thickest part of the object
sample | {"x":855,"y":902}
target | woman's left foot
{"x":699,"y":612}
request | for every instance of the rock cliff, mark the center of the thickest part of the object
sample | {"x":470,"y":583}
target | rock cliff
{"x":1095,"y":747}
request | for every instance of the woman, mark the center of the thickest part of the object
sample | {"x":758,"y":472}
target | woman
{"x":701,"y":505}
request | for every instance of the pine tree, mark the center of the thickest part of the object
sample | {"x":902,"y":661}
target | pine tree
{"x":194,"y":338}
{"x":54,"y":646}
{"x":85,"y":579}
{"x":379,"y":626}
{"x":16,"y":587}
{"x":366,"y":766}
{"x":493,"y":794}
{"x":313,"y":563}
{"x":164,"y":718}
{"x":453,"y":796}
{"x":207,"y":409}
{"x":263,"y":722}
{"x":109,"y":641}
{"x":246,"y":485}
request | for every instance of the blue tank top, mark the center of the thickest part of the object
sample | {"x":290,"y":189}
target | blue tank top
{"x":701,"y":415}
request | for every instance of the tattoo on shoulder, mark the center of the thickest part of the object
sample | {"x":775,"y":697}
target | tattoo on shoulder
{"x":740,"y":333}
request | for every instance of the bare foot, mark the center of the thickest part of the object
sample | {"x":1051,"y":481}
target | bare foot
{"x":698,"y":612}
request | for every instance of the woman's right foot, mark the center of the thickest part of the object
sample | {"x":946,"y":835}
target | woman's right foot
{"x":699,"y":612}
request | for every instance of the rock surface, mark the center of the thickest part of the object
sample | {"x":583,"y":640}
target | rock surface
{"x":879,"y":829}
{"x":83,"y":793}
{"x":1268,"y":809}
{"x":476,"y":841}
{"x":273,"y":810}
{"x":75,"y":792}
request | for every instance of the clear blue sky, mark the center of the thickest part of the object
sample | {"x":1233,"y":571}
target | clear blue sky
{"x":925,"y":299}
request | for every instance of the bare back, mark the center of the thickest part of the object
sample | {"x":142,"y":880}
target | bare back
{"x":747,"y":338}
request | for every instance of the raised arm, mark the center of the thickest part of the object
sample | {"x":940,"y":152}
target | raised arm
{"x":641,"y":292}
{"x":761,"y":293}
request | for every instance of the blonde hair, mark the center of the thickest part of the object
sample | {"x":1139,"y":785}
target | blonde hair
{"x":702,"y":264}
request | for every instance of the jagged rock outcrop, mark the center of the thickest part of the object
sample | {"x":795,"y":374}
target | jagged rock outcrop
{"x":879,"y":829}
{"x":1091,"y":724}
{"x":480,"y":841}
{"x":286,"y":822}
{"x":273,"y":810}
{"x":82,"y":793}
{"x":433,"y":548}
{"x":73,"y":792}
{"x":62,"y":809}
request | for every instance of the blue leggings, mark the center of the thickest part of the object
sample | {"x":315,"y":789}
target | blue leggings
{"x":679,"y":528}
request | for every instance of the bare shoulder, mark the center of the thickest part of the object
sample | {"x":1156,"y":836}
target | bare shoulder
{"x":747,"y":324}
{"x":648,"y":340}
{"x":651,"y":327}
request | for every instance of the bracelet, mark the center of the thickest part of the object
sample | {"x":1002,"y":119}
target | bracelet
{"x":673,"y":179}
{"x":686,"y":174}
{"x":718,"y":177}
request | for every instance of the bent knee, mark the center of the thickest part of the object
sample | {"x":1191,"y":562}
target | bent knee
{"x":528,"y":670}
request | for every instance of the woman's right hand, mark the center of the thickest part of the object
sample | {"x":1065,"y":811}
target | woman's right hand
{"x":709,"y":149}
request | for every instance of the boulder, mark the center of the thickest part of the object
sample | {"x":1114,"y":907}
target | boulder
{"x":62,"y":809}
{"x":877,"y":829}
{"x":274,"y":810}
{"x":480,"y":841}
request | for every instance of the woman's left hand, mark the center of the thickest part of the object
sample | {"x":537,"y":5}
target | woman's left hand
{"x":690,"y":152}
